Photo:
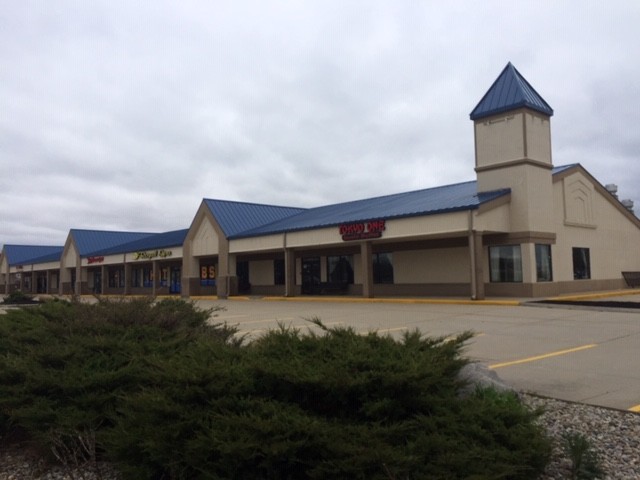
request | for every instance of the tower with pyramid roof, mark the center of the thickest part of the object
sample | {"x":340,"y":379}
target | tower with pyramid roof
{"x":513,"y":149}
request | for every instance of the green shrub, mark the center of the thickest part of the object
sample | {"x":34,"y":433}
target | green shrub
{"x":585,"y":462}
{"x":65,"y":365}
{"x":337,"y":405}
{"x":163,"y":395}
{"x":18,"y":298}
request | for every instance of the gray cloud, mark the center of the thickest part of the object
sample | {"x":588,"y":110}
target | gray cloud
{"x":120,"y":115}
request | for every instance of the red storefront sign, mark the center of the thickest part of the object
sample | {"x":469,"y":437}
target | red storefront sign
{"x":91,"y":260}
{"x":362,"y":230}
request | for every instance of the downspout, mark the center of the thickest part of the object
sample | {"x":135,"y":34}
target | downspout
{"x":472,"y":256}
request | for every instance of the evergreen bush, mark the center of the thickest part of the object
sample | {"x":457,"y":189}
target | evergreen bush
{"x":165,"y":396}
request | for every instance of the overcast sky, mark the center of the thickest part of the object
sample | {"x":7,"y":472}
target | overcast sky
{"x":123,"y":115}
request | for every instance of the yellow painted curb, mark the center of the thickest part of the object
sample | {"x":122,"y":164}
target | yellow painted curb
{"x":431,"y":301}
{"x":593,"y":296}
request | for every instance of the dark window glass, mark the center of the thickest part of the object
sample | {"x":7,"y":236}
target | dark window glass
{"x":278,"y":271}
{"x":581,"y":263}
{"x":505,"y":263}
{"x":543,"y":263}
{"x":136,"y":277}
{"x":147,"y":277}
{"x":382,"y":268}
{"x":116,"y":277}
{"x":340,"y":269}
{"x":242,"y":271}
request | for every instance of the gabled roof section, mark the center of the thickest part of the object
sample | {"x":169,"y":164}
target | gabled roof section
{"x":237,"y":217}
{"x":90,"y":241}
{"x":174,"y":238}
{"x":509,"y":92}
{"x":450,"y":198}
{"x":31,"y":254}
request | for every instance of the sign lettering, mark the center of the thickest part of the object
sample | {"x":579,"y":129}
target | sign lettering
{"x":91,"y":260}
{"x":152,"y":254}
{"x":362,"y":230}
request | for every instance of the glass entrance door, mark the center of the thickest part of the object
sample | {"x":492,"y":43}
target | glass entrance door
{"x":174,"y":284}
{"x":97,"y":282}
{"x":310,"y":275}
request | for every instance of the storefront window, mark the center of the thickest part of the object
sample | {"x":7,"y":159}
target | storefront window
{"x":147,"y":277}
{"x":340,"y":269}
{"x":207,"y":274}
{"x":164,"y":276}
{"x":581,"y":263}
{"x":116,"y":277}
{"x":136,"y":277}
{"x":505,"y":263}
{"x":278,"y":271}
{"x":382,"y":268}
{"x":543,"y":263}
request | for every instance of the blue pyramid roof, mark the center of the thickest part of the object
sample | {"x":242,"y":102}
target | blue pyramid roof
{"x":509,"y":92}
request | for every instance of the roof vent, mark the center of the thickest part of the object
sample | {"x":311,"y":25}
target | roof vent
{"x":628,"y":204}
{"x":612,"y":188}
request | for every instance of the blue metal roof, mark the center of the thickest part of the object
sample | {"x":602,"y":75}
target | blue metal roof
{"x":562,"y":168}
{"x":174,"y":238}
{"x":31,"y":254}
{"x":509,"y":92}
{"x":450,"y":198}
{"x":90,"y":241}
{"x":237,"y":217}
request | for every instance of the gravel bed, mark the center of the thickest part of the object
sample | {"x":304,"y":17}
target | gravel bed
{"x":614,"y":435}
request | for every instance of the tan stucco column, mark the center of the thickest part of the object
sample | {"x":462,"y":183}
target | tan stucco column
{"x":47,"y":290}
{"x":77,"y":288}
{"x":103,"y":280}
{"x":289,"y":273}
{"x":222,"y":282}
{"x":476,"y":254}
{"x":154,"y":277}
{"x":367,"y":269}
{"x":127,"y":278}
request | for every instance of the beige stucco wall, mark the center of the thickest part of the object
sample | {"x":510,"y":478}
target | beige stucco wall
{"x":205,"y":241}
{"x":538,"y":137}
{"x":499,"y":139}
{"x":495,"y":220}
{"x":531,"y":195}
{"x":257,"y":244}
{"x":427,"y":225}
{"x":438,"y":265}
{"x":318,"y":237}
{"x":613,"y":240}
{"x":39,"y":267}
{"x":70,"y":257}
{"x":513,"y":136}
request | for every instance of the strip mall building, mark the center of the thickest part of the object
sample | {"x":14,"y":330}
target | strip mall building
{"x":523,"y":228}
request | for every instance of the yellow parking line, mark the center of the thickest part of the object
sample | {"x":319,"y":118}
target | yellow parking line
{"x":541,"y":357}
{"x":635,"y":409}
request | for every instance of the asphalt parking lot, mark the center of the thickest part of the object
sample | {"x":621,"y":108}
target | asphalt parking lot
{"x":584,"y":355}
